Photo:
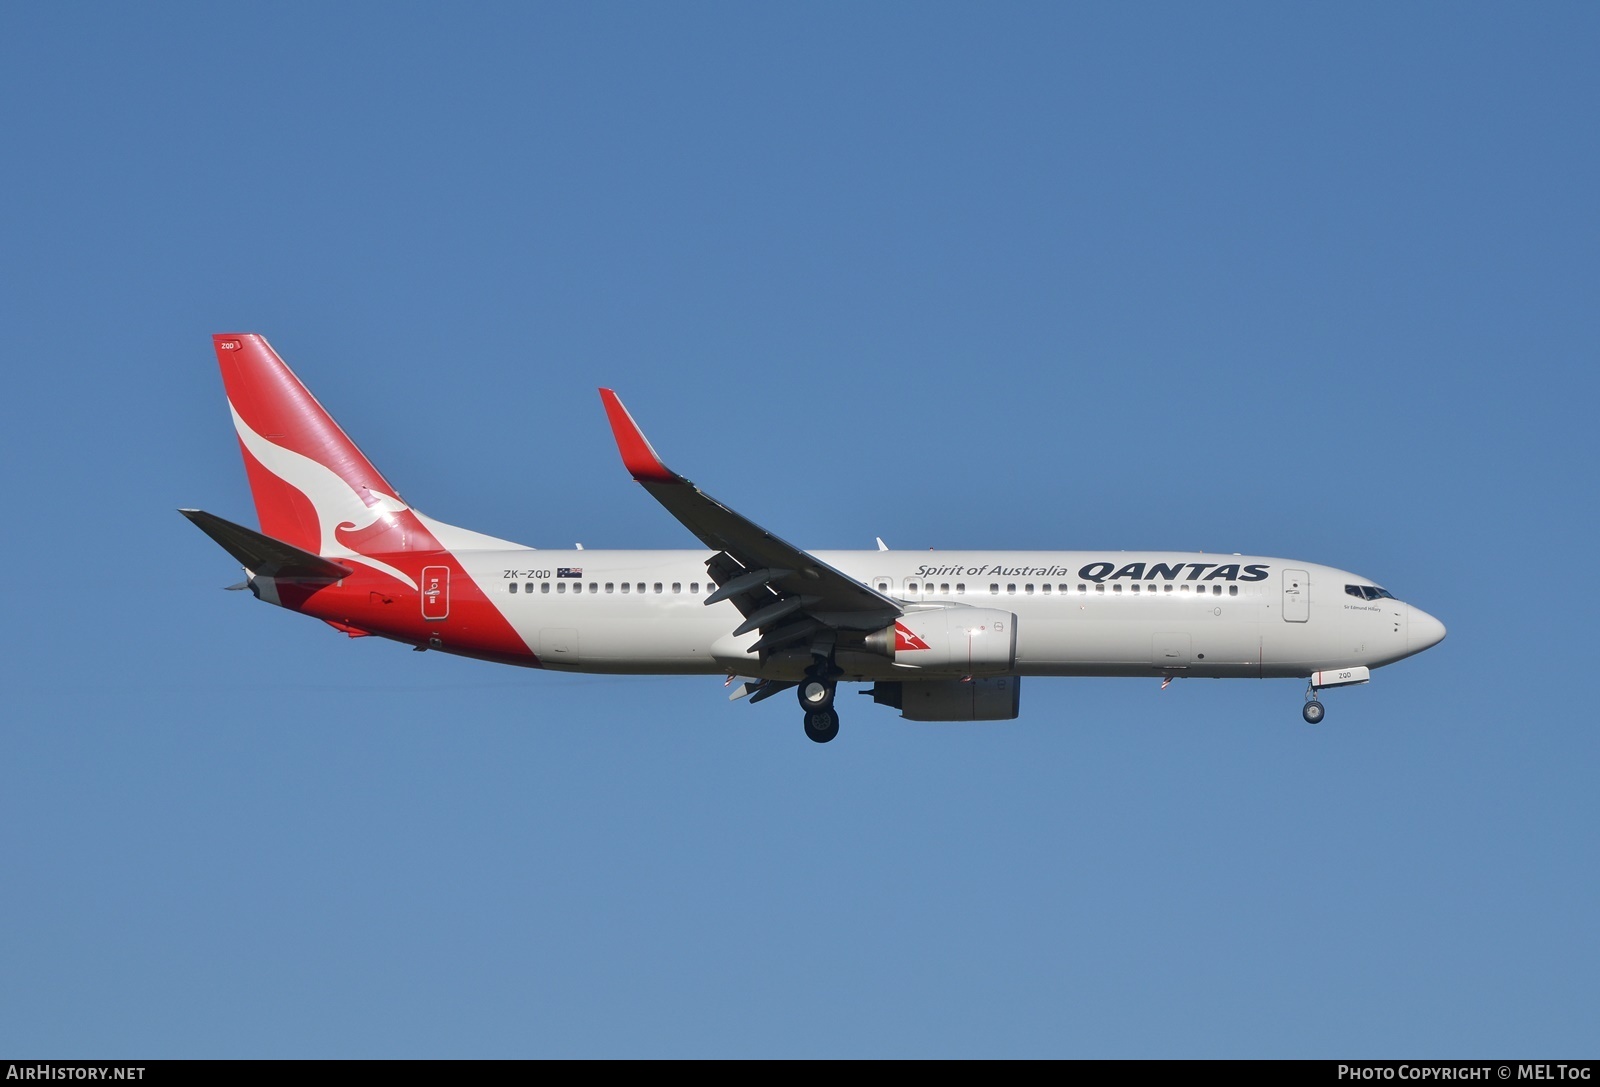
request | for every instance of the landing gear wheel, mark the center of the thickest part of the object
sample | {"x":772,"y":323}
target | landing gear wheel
{"x":822,"y":726}
{"x":815,"y":694}
{"x":1313,"y":712}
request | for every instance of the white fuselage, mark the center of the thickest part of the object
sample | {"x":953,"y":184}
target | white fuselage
{"x":1077,"y":613}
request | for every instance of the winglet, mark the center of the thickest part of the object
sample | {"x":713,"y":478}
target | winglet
{"x":637,"y":455}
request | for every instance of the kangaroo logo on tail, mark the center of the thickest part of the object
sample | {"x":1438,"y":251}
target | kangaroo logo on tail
{"x":339,"y":508}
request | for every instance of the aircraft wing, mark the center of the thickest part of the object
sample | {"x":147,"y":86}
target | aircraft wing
{"x":785,"y":592}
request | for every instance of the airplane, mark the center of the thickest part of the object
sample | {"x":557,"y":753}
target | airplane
{"x":940,"y":635}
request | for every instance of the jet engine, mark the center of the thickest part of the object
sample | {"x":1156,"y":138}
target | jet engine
{"x":981,"y":698}
{"x":964,"y":640}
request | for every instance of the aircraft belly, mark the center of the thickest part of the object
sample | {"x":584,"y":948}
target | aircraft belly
{"x":1076,"y":643}
{"x":1139,"y":637}
{"x":657,"y":644}
{"x":616,"y":642}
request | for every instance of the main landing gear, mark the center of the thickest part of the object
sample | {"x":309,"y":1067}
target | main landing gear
{"x":822,"y":726}
{"x":816,"y":699}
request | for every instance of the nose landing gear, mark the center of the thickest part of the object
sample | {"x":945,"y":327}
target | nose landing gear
{"x":1313,"y":711}
{"x":1348,"y":676}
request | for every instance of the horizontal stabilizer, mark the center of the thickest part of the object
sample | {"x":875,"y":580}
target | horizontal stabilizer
{"x":262,"y":555}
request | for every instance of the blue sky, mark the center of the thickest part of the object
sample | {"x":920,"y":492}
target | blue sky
{"x":1308,"y":281}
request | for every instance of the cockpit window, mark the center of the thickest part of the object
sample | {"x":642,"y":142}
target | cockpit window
{"x":1369,"y":592}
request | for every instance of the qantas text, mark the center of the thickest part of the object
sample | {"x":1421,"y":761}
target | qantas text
{"x":1110,"y":571}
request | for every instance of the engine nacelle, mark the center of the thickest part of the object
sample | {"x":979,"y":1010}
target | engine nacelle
{"x":981,"y":698}
{"x":964,"y":640}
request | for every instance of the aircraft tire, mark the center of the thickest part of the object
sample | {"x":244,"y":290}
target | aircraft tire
{"x":815,"y":695}
{"x":1313,"y":713}
{"x":822,"y":726}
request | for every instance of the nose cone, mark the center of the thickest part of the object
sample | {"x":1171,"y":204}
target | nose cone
{"x":1423,"y":631}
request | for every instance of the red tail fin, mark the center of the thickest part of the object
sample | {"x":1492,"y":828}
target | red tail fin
{"x":313,"y":488}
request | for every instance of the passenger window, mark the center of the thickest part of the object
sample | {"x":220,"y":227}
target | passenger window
{"x":994,"y":589}
{"x":577,"y":586}
{"x":1011,"y":589}
{"x":641,"y":586}
{"x":883,"y":586}
{"x":911,"y":587}
{"x":561,"y":586}
{"x":1082,"y":588}
{"x":624,"y":586}
{"x":1183,"y":588}
{"x":1099,"y":587}
{"x":1233,"y":590}
{"x":1045,"y":588}
{"x":1117,"y":588}
{"x":1216,"y":590}
{"x":694,"y":586}
{"x":677,"y":586}
{"x":961,"y":586}
{"x":544,"y":586}
{"x":658,"y":586}
{"x":1135,"y":586}
{"x":1028,"y":588}
{"x":611,"y":586}
{"x":944,"y":587}
{"x":513,"y":586}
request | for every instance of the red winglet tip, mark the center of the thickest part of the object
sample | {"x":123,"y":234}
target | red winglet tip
{"x":637,"y":455}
